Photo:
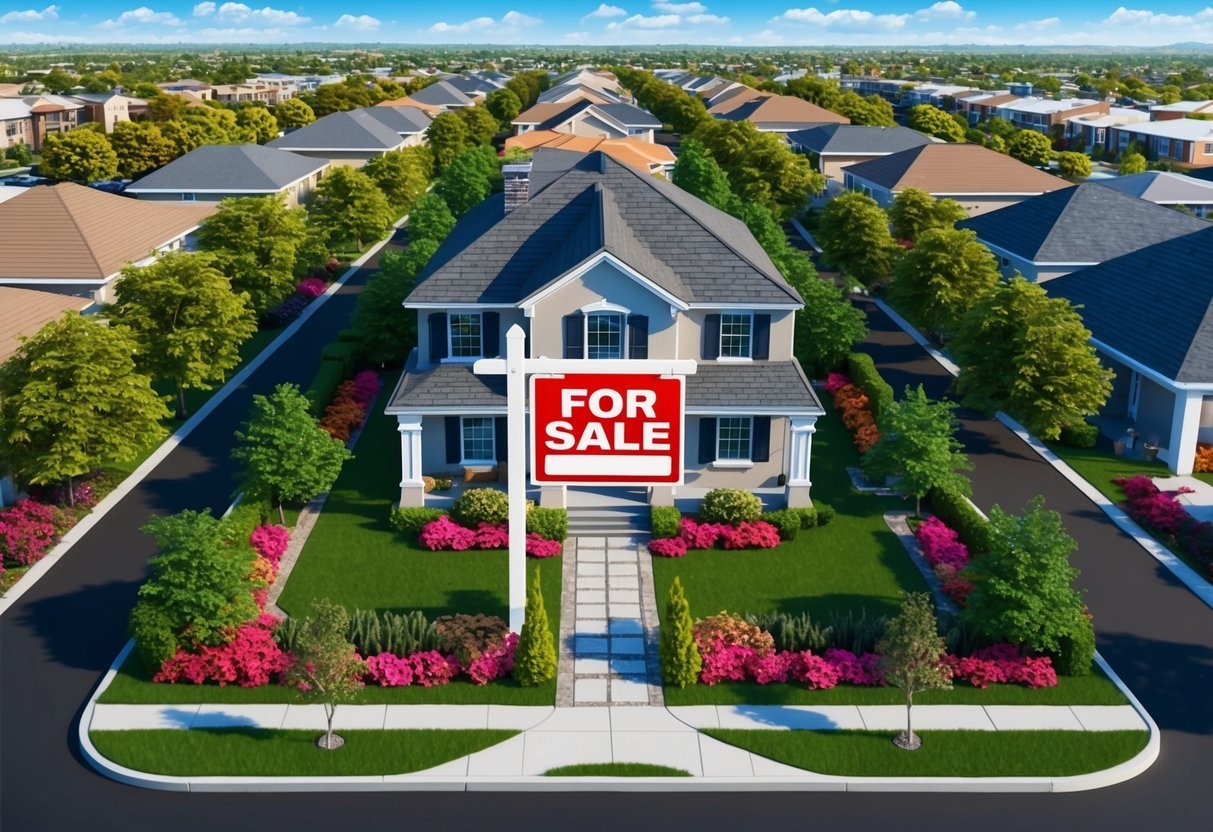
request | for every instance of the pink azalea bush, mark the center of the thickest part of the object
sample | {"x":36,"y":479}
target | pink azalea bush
{"x":492,"y":536}
{"x":428,"y":669}
{"x":540,"y":547}
{"x":495,"y":662}
{"x":27,"y":531}
{"x":814,"y":672}
{"x":1151,"y":507}
{"x":941,"y":544}
{"x":365,"y":387}
{"x":668,"y":547}
{"x":249,"y":660}
{"x":312,"y":287}
{"x":835,"y":382}
{"x":444,"y":534}
{"x":1003,"y":664}
{"x":758,"y":534}
{"x":270,"y":542}
{"x":698,"y":535}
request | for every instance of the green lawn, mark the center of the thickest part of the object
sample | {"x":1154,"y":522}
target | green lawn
{"x":616,"y":770}
{"x":251,"y":752}
{"x":943,"y":753}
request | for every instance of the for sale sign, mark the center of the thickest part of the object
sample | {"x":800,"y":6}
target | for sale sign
{"x":606,"y":429}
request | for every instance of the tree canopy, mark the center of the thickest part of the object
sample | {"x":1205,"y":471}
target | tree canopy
{"x":698,"y":173}
{"x":78,"y":156}
{"x":760,"y":166}
{"x":386,"y":330}
{"x":446,"y":136}
{"x":1074,"y":165}
{"x":1031,"y":148}
{"x":504,"y":106}
{"x":348,"y":209}
{"x":854,"y":236}
{"x":402,"y":175}
{"x":914,"y":211}
{"x":929,"y":119}
{"x":292,"y":113}
{"x":430,"y":219}
{"x":941,"y":277}
{"x":465,"y":182}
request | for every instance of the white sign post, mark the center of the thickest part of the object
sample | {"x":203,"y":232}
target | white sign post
{"x":515,"y":367}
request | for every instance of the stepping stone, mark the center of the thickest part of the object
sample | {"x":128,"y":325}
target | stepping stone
{"x":625,"y":596}
{"x":590,"y":555}
{"x":589,"y":646}
{"x":622,"y":570}
{"x":590,"y":596}
{"x":621,"y":556}
{"x":623,"y":667}
{"x":591,"y":667}
{"x":629,"y":690}
{"x":590,"y":570}
{"x":590,"y":690}
{"x":590,"y":628}
{"x":591,"y":611}
{"x":625,"y":627}
{"x":625,"y":582}
{"x":591,"y":581}
{"x":627,"y":646}
{"x":625,"y":610}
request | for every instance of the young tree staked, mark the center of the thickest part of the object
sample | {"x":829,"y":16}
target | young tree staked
{"x":327,"y":666}
{"x":911,"y":656}
{"x":941,"y":277}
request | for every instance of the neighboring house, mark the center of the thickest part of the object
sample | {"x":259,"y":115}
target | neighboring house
{"x":349,"y":138}
{"x":605,"y":82}
{"x":983,"y":107}
{"x":1043,"y":114}
{"x":978,"y":178}
{"x":475,"y":87}
{"x":1162,"y":187}
{"x":198,"y":89}
{"x":835,"y":146}
{"x":1184,"y":141}
{"x":108,"y":108}
{"x":1180,"y":109}
{"x":643,"y":156}
{"x":217,"y":171}
{"x":781,"y":114}
{"x":51,"y":114}
{"x":585,"y":118}
{"x":598,"y":261}
{"x":1056,"y":233}
{"x":1092,"y":131}
{"x":726,"y":99}
{"x":431,"y":110}
{"x":268,"y":94}
{"x":16,"y":123}
{"x":410,"y":123}
{"x":1151,"y":319}
{"x":577,"y":92}
{"x":441,"y":94}
{"x":74,"y":240}
{"x":944,"y":96}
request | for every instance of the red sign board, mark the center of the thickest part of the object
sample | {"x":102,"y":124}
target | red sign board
{"x":606,"y":429}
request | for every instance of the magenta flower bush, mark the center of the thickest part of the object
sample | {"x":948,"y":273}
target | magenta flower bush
{"x":428,"y":669}
{"x":270,"y":542}
{"x":250,"y":659}
{"x":365,"y":387}
{"x":540,"y":547}
{"x":941,"y":544}
{"x":1162,"y":513}
{"x":814,"y":672}
{"x":758,"y":534}
{"x":27,"y":531}
{"x":1003,"y":664}
{"x":835,"y":382}
{"x":444,"y":534}
{"x":312,"y":287}
{"x":496,"y":662}
{"x":698,"y":535}
{"x":668,"y":547}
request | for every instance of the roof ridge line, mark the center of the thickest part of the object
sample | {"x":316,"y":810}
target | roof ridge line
{"x":71,"y":215}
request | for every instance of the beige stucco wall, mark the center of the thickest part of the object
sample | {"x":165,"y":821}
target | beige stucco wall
{"x":832,"y":165}
{"x":761,"y":474}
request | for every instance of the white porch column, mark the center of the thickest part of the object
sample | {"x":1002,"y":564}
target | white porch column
{"x":1185,"y":425}
{"x":515,"y":388}
{"x":800,"y":454}
{"x":412,"y":488}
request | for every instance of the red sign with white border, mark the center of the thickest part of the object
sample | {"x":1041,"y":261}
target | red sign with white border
{"x":607,"y":429}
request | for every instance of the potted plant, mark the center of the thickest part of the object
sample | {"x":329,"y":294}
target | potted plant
{"x":1118,"y":446}
{"x":1149,"y":451}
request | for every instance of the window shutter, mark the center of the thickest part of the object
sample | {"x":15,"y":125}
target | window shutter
{"x":711,"y":337}
{"x":490,"y":334}
{"x":761,"y":348}
{"x":707,"y":440}
{"x":454,"y":440}
{"x":760,"y":440}
{"x":437,"y":337}
{"x":638,"y":336}
{"x":501,"y":439}
{"x":574,"y":335}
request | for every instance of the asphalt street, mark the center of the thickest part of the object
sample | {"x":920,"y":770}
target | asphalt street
{"x":59,"y":638}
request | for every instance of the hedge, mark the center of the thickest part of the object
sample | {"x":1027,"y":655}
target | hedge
{"x":324,"y":386}
{"x":341,"y":352}
{"x":863,"y":373}
{"x":1082,"y":435}
{"x":665,"y":520}
{"x":959,"y":514}
{"x":548,"y":523}
{"x":411,"y":519}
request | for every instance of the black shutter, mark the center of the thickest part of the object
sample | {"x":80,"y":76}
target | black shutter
{"x":638,"y":336}
{"x":707,"y":439}
{"x":760,"y":440}
{"x":437,"y":337}
{"x":711,"y":336}
{"x":454,"y":440}
{"x":501,"y":441}
{"x":762,"y":338}
{"x":490,"y":334}
{"x":574,"y":335}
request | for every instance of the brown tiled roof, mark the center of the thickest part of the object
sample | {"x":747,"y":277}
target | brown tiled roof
{"x":997,"y":100}
{"x":70,"y":232}
{"x":635,"y":153}
{"x":542,"y":112}
{"x":731,"y":99}
{"x":24,"y":311}
{"x":406,"y":101}
{"x":781,"y":110}
{"x":939,"y":168}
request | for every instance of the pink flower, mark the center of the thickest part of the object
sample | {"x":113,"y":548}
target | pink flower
{"x":27,"y":531}
{"x":835,"y":382}
{"x":494,"y":663}
{"x":814,"y":671}
{"x":756,"y":535}
{"x":668,"y":547}
{"x":540,"y":547}
{"x":941,"y":545}
{"x":445,"y":533}
{"x":270,"y":542}
{"x":251,"y":659}
{"x":311,"y":287}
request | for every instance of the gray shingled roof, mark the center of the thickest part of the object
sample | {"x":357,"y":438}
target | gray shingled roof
{"x":1154,"y":305}
{"x":447,"y":385}
{"x":853,"y":138}
{"x":351,"y":130}
{"x":766,"y":384}
{"x":406,"y":121}
{"x":441,"y":94}
{"x":230,"y":167}
{"x":630,"y":115}
{"x":556,"y":92}
{"x":1163,"y":187}
{"x":468,"y":85}
{"x":690,"y":249}
{"x":1088,"y":223}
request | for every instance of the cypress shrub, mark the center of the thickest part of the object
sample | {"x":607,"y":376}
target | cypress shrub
{"x":666,"y":521}
{"x":535,"y":656}
{"x":680,"y":659}
{"x":863,"y":373}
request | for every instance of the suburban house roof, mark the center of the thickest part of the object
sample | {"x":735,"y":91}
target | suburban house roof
{"x":725,"y":101}
{"x":72,"y":233}
{"x":13,"y":108}
{"x":24,"y":311}
{"x":856,"y":140}
{"x":1187,"y":129}
{"x":940,"y":168}
{"x":782,"y":111}
{"x":686,"y":248}
{"x":1163,"y":187}
{"x":473,"y":85}
{"x":637,"y":153}
{"x":598,"y":96}
{"x":350,"y":130}
{"x":1088,"y":223}
{"x":548,"y":116}
{"x":1153,"y":305}
{"x":442,"y":94}
{"x":431,"y":110}
{"x":996,"y":100}
{"x":407,"y":121}
{"x":229,"y":168}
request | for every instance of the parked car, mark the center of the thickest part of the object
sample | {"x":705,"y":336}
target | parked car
{"x":110,"y":186}
{"x":26,"y":181}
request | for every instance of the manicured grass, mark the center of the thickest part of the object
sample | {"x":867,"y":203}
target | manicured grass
{"x":943,"y":753}
{"x":11,"y":575}
{"x":616,"y":770}
{"x":253,"y":752}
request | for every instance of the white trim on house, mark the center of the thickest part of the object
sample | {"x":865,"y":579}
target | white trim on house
{"x":793,"y":305}
{"x":1152,"y":374}
{"x":529,"y":303}
{"x":1002,"y":251}
{"x":750,"y":410}
{"x":475,"y":306}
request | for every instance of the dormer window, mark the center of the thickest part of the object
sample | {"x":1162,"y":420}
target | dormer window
{"x":736,"y":335}
{"x":465,"y":333}
{"x":604,"y":335}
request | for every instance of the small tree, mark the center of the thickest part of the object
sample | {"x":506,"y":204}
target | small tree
{"x":349,"y":209}
{"x":941,"y":277}
{"x":929,"y":119}
{"x":915,"y":211}
{"x":535,"y":656}
{"x":680,"y":659}
{"x":480,"y":124}
{"x":1031,"y":148}
{"x":1074,"y":165}
{"x":294,"y":112}
{"x":402,"y":175}
{"x":386,"y":330}
{"x":141,"y":148}
{"x":446,"y":136}
{"x":1131,"y":163}
{"x":696,"y":172}
{"x":258,"y":123}
{"x":854,"y":235}
{"x":504,"y":105}
{"x":430,"y":219}
{"x":78,"y":156}
{"x":327,"y":666}
{"x":464,"y":183}
{"x":284,"y":453}
{"x":911,"y":657}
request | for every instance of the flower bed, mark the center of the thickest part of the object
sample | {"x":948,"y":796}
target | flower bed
{"x":856,"y":410}
{"x":444,"y":534}
{"x":947,"y":556}
{"x":348,"y":408}
{"x":291,"y":308}
{"x":1161,"y":513}
{"x":757,"y":534}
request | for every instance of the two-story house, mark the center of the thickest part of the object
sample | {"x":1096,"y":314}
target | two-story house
{"x":596,"y":260}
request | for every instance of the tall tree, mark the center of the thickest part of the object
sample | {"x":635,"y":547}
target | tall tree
{"x":914,"y":211}
{"x":1031,"y":148}
{"x":504,"y":106}
{"x":402,"y":175}
{"x":71,"y":399}
{"x":446,"y":136}
{"x":349,"y":209}
{"x":187,"y":322}
{"x":216,"y":126}
{"x":464,"y":184}
{"x":386,"y":330}
{"x":854,"y":235}
{"x":929,"y":119}
{"x":760,"y":166}
{"x":911,"y":656}
{"x":430,"y":219}
{"x":480,"y":124}
{"x":941,"y":277}
{"x":327,"y":666}
{"x":258,"y":122}
{"x":698,"y":173}
{"x":78,"y":156}
{"x":141,"y":148}
{"x":165,"y":107}
{"x":292,"y":113}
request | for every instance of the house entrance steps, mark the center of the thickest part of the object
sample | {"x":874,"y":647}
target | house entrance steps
{"x":607,"y":512}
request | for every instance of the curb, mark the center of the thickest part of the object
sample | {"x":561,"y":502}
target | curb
{"x":39,"y":569}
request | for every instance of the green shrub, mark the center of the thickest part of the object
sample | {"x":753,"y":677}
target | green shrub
{"x":324,"y":386}
{"x":787,"y":520}
{"x":1082,"y":435}
{"x":481,"y":505}
{"x":822,"y":514}
{"x":153,"y":634}
{"x":467,"y":636}
{"x":341,"y":353}
{"x":958,"y":513}
{"x":857,"y":633}
{"x":793,"y":632}
{"x":535,"y":656}
{"x":246,"y":516}
{"x":665,"y":520}
{"x":864,"y":374}
{"x":680,"y":659}
{"x":7,"y":164}
{"x":730,"y":505}
{"x":411,"y":520}
{"x":372,"y":632}
{"x":442,"y":482}
{"x":548,"y":523}
{"x":1077,"y":650}
{"x":349,"y":336}
{"x":807,"y":515}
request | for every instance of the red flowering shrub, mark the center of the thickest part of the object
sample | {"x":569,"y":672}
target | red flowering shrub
{"x":857,"y":416}
{"x":1003,"y":664}
{"x":957,"y":588}
{"x":250,"y":659}
{"x":757,"y":535}
{"x":773,"y":667}
{"x":726,"y":663}
{"x":866,"y":437}
{"x":941,"y":545}
{"x":28,"y":529}
{"x":364,"y":387}
{"x":444,"y":533}
{"x":835,"y":382}
{"x":700,"y":535}
{"x":856,"y":670}
{"x":311,"y":287}
{"x":538,"y":546}
{"x":495,"y":662}
{"x":270,"y":542}
{"x":815,"y":672}
{"x":1150,"y":507}
{"x":668,"y":547}
{"x":342,"y":417}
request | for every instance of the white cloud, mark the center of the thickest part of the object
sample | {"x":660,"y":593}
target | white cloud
{"x":361,"y":22}
{"x":843,"y":19}
{"x":1037,"y":25}
{"x":1142,"y":17}
{"x":518,"y":19}
{"x":603,"y":11}
{"x":945,"y":9}
{"x":679,"y":8}
{"x":141,"y":16}
{"x":707,"y":20}
{"x":510,"y":20}
{"x":204,"y":9}
{"x":30,"y":15}
{"x":639,"y":21}
{"x":40,"y":37}
{"x":240,"y":13}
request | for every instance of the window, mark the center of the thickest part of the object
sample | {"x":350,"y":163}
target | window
{"x":465,"y":334}
{"x":604,"y":335}
{"x":735,"y":331}
{"x":1208,"y":148}
{"x":1164,"y":147}
{"x":733,"y":435}
{"x":478,"y":439}
{"x":189,"y":198}
{"x":1099,"y":135}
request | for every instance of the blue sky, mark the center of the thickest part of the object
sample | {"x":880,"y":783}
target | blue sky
{"x":727,"y":22}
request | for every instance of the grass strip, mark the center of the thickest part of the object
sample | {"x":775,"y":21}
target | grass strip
{"x":616,"y":770}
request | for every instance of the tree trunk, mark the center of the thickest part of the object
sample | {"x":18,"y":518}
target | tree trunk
{"x":918,"y":506}
{"x":71,"y":494}
{"x":329,"y":710}
{"x":281,"y":513}
{"x":181,"y":414}
{"x":909,"y":721}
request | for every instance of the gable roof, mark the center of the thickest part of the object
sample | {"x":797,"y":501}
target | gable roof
{"x":350,"y":130}
{"x":473,"y":85}
{"x":689,"y":249}
{"x":69,"y":232}
{"x":558,"y":92}
{"x":857,"y":139}
{"x":782,"y":110}
{"x":230,"y":168}
{"x":1087,"y":223}
{"x":1163,"y":187}
{"x":637,"y":153}
{"x":727,"y":100}
{"x":1154,"y":305}
{"x":550,"y":115}
{"x":940,"y":168}
{"x":24,"y":311}
{"x":442,"y":94}
{"x":406,"y":121}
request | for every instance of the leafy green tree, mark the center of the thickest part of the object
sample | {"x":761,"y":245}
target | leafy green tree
{"x":1031,"y":148}
{"x":504,"y":106}
{"x":386,"y":330}
{"x":680,"y":659}
{"x":535,"y":656}
{"x":216,"y":126}
{"x":911,"y":656}
{"x":327,"y":666}
{"x":292,"y":113}
{"x":446,"y":136}
{"x":1074,"y":165}
{"x":914,"y":211}
{"x":258,"y":121}
{"x":918,"y":443}
{"x":929,"y":119}
{"x":1130,"y":163}
{"x":71,"y":399}
{"x":402,"y":175}
{"x":256,"y":242}
{"x":348,"y":209}
{"x":430,"y":219}
{"x":828,"y":327}
{"x":165,"y":107}
{"x":525,"y":93}
{"x":854,"y":235}
{"x":20,"y":153}
{"x":336,"y":98}
{"x":187,"y":322}
{"x":182,"y":135}
{"x":1021,"y":351}
{"x":760,"y":166}
{"x":941,"y":277}
{"x":141,"y":148}
{"x":284,"y":454}
{"x":78,"y":156}
{"x":58,"y":81}
{"x":696,"y":172}
{"x":871,"y":110}
{"x":480,"y":124}
{"x":464,"y":184}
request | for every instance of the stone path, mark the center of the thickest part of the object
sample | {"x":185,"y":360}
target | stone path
{"x":608,"y":626}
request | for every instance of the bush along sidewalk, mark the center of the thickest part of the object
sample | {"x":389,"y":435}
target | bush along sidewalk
{"x":732,"y":517}
{"x":478,"y":520}
{"x":1161,"y":513}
